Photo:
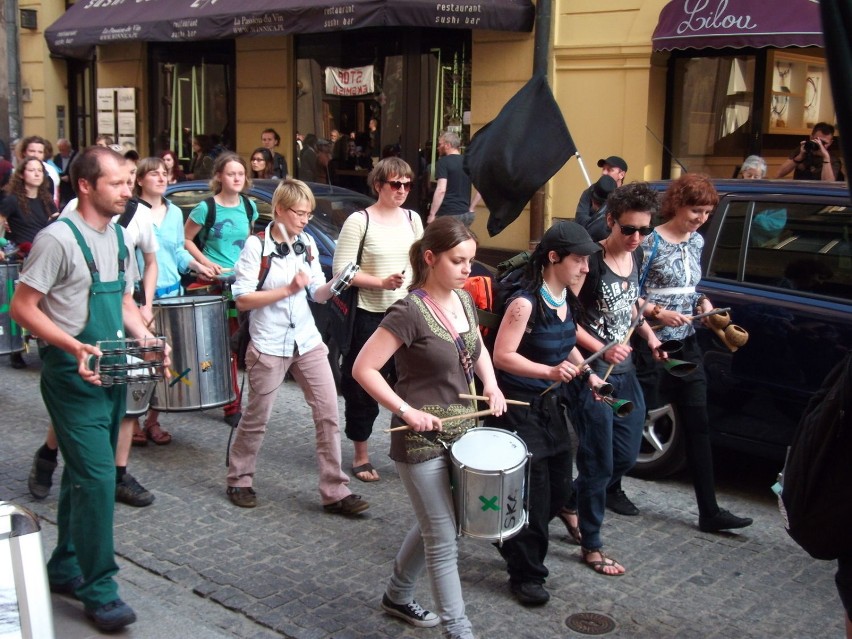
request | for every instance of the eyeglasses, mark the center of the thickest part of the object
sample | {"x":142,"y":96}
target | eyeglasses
{"x":630,"y":230}
{"x":396,"y":185}
{"x":302,"y":215}
{"x":258,"y":160}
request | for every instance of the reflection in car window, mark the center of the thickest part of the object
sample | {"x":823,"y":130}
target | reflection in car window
{"x":801,"y":246}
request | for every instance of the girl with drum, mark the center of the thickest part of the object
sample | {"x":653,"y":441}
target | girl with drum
{"x":433,"y":338}
{"x":536,"y":346}
{"x":27,"y":208}
{"x":671,"y":268}
{"x":224,"y":232}
{"x":166,"y":219}
{"x":387,"y":231}
{"x":275,"y":277}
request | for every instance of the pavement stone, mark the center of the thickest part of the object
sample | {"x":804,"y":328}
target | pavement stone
{"x":193,"y":565}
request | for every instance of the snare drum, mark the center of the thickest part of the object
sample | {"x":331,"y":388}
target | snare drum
{"x":196,"y":328}
{"x":490,"y":470}
{"x":11,"y":334}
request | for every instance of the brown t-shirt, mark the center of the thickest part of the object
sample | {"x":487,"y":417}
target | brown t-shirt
{"x":430,"y":375}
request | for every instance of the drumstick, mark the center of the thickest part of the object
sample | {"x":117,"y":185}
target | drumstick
{"x":485,"y":399}
{"x":715,"y":311}
{"x":591,"y":358}
{"x":626,"y":339}
{"x":479,"y":413}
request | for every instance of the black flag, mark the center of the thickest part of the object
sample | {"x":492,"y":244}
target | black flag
{"x":837,"y":30}
{"x":514,"y":155}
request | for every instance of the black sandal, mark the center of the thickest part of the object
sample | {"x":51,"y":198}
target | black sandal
{"x":573,"y":531}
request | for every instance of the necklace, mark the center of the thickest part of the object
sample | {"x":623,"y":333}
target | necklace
{"x":453,"y":313}
{"x":550,"y":298}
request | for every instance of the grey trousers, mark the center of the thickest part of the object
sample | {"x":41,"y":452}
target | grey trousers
{"x":431,"y":544}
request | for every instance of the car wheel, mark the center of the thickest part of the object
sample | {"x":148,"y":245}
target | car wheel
{"x":662,"y":450}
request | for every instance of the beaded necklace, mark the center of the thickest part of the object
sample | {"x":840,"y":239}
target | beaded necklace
{"x":550,"y":298}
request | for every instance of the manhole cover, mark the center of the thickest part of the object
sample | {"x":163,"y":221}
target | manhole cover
{"x":590,"y":623}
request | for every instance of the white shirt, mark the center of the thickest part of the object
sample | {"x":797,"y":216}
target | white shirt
{"x":279,"y":327}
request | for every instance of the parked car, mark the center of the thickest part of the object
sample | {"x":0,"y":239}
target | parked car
{"x":779,"y":254}
{"x":334,"y":205}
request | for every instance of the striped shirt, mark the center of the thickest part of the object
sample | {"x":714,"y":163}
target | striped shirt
{"x":385,"y":253}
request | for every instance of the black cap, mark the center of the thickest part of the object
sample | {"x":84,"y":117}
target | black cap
{"x":568,"y":237}
{"x":614,"y":160}
{"x":602,"y":188}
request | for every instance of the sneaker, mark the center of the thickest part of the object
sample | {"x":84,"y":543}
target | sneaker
{"x":112,"y":616}
{"x":244,"y":497}
{"x":619,"y":503}
{"x":723,"y":520}
{"x":529,"y":593}
{"x":411,"y":612}
{"x":129,"y":491}
{"x":233,"y":420}
{"x":349,"y":505}
{"x":41,"y":477}
{"x":68,"y":588}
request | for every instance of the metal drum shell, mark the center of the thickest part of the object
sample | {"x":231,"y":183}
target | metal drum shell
{"x":11,"y":334}
{"x":480,"y":478}
{"x":196,"y":328}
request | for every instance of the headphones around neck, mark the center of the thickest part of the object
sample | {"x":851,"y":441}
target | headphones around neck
{"x":299,"y":247}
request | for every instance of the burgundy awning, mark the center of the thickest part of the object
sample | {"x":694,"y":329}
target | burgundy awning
{"x":97,"y":22}
{"x":720,"y":24}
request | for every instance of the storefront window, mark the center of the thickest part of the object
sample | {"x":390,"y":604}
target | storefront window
{"x":713,"y":111}
{"x":375,"y":92}
{"x":192,"y":94}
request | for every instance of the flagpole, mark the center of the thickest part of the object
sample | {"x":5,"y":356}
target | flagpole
{"x":583,"y":168}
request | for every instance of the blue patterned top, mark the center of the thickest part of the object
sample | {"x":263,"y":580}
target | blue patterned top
{"x":674,"y":271}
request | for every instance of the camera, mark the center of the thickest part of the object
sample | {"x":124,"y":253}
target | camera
{"x":812,"y":146}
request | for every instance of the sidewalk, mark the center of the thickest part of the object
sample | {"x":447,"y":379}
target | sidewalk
{"x":193,"y":565}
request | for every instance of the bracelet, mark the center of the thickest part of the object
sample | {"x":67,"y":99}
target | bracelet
{"x":656,"y":311}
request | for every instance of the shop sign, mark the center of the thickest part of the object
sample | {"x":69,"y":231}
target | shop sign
{"x":352,"y":81}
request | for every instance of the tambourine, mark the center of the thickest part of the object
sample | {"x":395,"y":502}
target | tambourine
{"x":344,"y":278}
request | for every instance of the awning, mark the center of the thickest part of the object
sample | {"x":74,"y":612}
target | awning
{"x":97,"y":22}
{"x":720,"y":24}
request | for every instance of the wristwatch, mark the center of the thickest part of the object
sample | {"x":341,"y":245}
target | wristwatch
{"x":402,"y":408}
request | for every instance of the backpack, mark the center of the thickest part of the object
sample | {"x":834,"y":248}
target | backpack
{"x":210,"y":219}
{"x":816,"y":497}
{"x":492,"y":293}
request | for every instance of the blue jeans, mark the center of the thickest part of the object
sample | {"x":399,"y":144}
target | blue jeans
{"x":431,"y":543}
{"x":608,"y":448}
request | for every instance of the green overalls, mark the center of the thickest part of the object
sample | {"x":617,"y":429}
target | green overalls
{"x":86,"y":419}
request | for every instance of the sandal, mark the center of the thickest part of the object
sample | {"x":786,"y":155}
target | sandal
{"x":573,"y":529}
{"x":602,"y":564}
{"x":366,"y":469}
{"x":139,"y":436}
{"x":157,"y":435}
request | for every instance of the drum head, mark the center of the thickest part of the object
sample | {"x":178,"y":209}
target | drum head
{"x":489,"y":449}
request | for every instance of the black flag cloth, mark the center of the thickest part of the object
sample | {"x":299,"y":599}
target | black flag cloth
{"x":837,"y":30}
{"x":515,"y":154}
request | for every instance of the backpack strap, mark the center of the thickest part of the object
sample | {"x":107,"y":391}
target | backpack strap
{"x":129,"y":211}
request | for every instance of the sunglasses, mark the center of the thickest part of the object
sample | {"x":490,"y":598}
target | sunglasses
{"x":396,"y":185}
{"x":630,"y":230}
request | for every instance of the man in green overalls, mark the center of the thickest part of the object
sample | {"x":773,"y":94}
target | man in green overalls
{"x":74,"y":290}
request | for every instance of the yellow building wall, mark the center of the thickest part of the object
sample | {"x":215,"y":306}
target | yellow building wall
{"x":265,"y":90}
{"x":122,"y":66}
{"x":609,"y":85}
{"x":42,"y":77}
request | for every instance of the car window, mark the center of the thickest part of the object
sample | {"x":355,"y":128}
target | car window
{"x":332,"y":211}
{"x":801,"y":246}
